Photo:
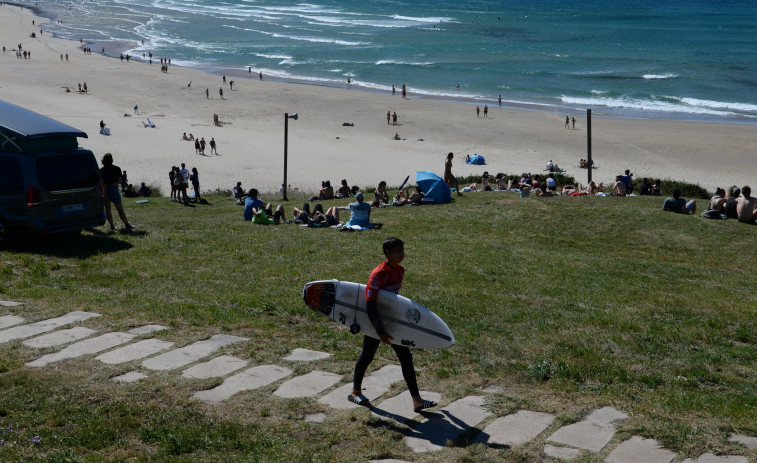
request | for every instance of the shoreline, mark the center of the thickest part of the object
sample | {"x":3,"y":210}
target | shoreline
{"x":250,"y":137}
{"x":546,"y":106}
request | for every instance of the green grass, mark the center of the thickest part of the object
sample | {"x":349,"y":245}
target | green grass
{"x":567,"y":303}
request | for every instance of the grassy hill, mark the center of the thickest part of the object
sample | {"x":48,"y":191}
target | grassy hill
{"x":567,"y":303}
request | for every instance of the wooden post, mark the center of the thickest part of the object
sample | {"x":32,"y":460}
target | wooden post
{"x":589,"y":163}
{"x":286,"y":142}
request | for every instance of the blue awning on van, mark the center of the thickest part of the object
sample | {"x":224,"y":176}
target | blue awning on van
{"x":24,"y":124}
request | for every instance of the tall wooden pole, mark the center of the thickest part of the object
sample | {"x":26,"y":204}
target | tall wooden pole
{"x":589,"y":163}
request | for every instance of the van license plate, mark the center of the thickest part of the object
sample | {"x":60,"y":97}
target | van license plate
{"x":73,"y":207}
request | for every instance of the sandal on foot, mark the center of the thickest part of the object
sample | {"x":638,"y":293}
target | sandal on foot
{"x":426,"y":404}
{"x":359,"y":400}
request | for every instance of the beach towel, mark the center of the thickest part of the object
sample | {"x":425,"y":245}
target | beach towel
{"x":348,"y":227}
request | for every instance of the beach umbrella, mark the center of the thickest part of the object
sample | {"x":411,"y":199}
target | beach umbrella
{"x":476,"y":159}
{"x":433,"y":186}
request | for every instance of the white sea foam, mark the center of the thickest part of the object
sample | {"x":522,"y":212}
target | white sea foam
{"x":740,"y":107}
{"x":646,"y":105}
{"x":659,"y":76}
{"x":403,"y":63}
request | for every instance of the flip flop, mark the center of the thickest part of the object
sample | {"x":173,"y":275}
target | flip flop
{"x":426,"y":404}
{"x":359,"y":400}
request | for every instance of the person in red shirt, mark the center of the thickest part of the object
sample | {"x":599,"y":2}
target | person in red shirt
{"x":387,"y":276}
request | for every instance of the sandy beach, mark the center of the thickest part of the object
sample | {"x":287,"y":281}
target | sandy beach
{"x":250,"y":137}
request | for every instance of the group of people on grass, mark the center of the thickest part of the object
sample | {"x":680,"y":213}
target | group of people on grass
{"x":736,"y":203}
{"x":180,"y":180}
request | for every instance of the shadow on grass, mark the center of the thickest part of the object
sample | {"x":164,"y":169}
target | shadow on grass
{"x":74,"y":246}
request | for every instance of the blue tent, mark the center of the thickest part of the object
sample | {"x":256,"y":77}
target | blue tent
{"x":433,"y":186}
{"x":476,"y":159}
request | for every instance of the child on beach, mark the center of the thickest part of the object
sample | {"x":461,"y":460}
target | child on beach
{"x":387,"y":276}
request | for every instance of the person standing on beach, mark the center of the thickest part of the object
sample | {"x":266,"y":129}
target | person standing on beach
{"x":499,"y":100}
{"x":450,"y":179}
{"x":567,"y":122}
{"x":573,"y":119}
{"x":394,"y":90}
{"x":394,"y":118}
{"x":486,"y":111}
{"x":478,"y":111}
{"x":207,"y":94}
{"x":184,"y":173}
{"x":387,"y":276}
{"x":388,"y":117}
{"x":260,"y":75}
{"x":197,"y":146}
{"x":213,"y":146}
{"x":220,"y":92}
{"x":194,"y":177}
{"x":202,"y":146}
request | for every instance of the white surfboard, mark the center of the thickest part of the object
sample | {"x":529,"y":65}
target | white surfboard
{"x":407,"y":322}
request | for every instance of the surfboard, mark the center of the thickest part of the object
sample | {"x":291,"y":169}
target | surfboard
{"x":406,"y":321}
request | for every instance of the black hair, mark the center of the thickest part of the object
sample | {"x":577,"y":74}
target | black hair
{"x":391,"y":243}
{"x":676,"y":193}
{"x":107,"y":159}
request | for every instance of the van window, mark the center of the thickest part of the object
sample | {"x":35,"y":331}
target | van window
{"x":11,"y":177}
{"x":67,"y":171}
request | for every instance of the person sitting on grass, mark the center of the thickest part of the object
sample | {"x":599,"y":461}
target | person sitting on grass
{"x":645,"y":189}
{"x":380,"y":196}
{"x":678,"y":204}
{"x":329,"y":219}
{"x":415,"y":199}
{"x":717,"y":202}
{"x":745,"y":206}
{"x":327,"y":191}
{"x":485,"y":182}
{"x":657,"y":188}
{"x":238,"y":193}
{"x":619,"y":188}
{"x":343,"y":191}
{"x":260,"y":212}
{"x":144,"y":191}
{"x":730,"y":202}
{"x":360,"y":212}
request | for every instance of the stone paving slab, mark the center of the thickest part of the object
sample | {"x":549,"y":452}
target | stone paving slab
{"x":640,"y":450}
{"x":748,"y":441}
{"x":147,"y":329}
{"x":184,"y":356}
{"x":306,"y":355}
{"x":33,"y":329}
{"x":711,"y":458}
{"x":561,"y":453}
{"x":307,"y":385}
{"x":593,"y":433}
{"x":400,"y":407}
{"x":59,"y":338}
{"x":516,"y":429}
{"x":10,"y":304}
{"x":136,"y":351}
{"x":447,"y":424}
{"x":253,"y":378}
{"x":374,"y":386}
{"x":88,"y":346}
{"x":130,"y":377}
{"x":10,"y":320}
{"x":216,"y":368}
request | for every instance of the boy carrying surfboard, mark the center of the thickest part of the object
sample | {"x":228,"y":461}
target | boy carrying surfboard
{"x":387,"y":276}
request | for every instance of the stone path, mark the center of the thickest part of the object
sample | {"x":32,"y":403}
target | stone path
{"x":463,"y":419}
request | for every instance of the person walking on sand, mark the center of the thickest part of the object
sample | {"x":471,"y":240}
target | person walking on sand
{"x":111,"y":176}
{"x":567,"y":122}
{"x":478,"y":111}
{"x":387,"y":276}
{"x":220,"y":92}
{"x":207,"y":94}
{"x":486,"y":111}
{"x":394,"y":118}
{"x":213,"y":146}
{"x":450,"y":179}
{"x":573,"y":119}
{"x":388,"y":117}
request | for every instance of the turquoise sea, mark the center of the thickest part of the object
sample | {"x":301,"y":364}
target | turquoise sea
{"x":676,"y":59}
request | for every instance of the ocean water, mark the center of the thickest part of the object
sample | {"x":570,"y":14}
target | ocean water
{"x":677,"y":59}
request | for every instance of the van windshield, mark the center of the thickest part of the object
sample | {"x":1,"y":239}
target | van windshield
{"x":67,"y":171}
